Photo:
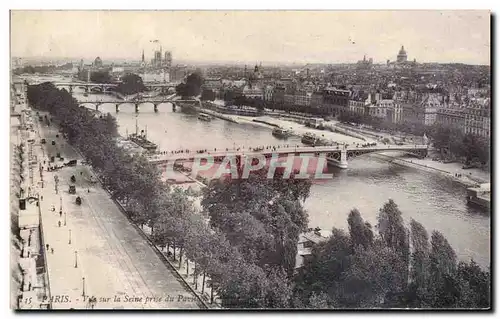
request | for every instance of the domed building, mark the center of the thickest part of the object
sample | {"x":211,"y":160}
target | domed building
{"x":402,"y":56}
{"x":98,"y":62}
{"x":402,"y":60}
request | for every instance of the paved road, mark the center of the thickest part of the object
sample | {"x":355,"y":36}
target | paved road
{"x":111,"y":255}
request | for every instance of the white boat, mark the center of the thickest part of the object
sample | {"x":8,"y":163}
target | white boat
{"x":204,"y":117}
{"x":281,"y":132}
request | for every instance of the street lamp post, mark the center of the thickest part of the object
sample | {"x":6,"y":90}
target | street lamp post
{"x":83,"y":286}
{"x":69,"y":240}
{"x":76,"y":259}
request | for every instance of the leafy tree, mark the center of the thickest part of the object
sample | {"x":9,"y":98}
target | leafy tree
{"x":192,"y":87}
{"x":261,"y":216}
{"x":100,"y":77}
{"x":391,"y":228}
{"x":442,"y":256}
{"x":360,"y":232}
{"x":373,"y":274}
{"x":131,"y":84}
{"x":476,"y":285}
{"x":322,"y":272}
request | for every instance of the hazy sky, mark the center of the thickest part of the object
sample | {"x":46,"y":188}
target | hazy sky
{"x":253,"y":36}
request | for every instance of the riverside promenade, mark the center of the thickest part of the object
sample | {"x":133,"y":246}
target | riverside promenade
{"x":93,"y":250}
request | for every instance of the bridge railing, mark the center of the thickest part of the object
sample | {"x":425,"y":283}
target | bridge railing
{"x":276,"y":149}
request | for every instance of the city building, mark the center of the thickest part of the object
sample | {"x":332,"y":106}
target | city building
{"x":473,"y":118}
{"x":268,"y":93}
{"x":336,"y":101}
{"x":402,"y":60}
{"x":357,"y":106}
{"x":253,"y":91}
{"x":303,"y":98}
{"x":279,"y":94}
{"x":152,"y":75}
{"x":168,"y":59}
{"x":317,"y":99}
{"x":424,"y":112}
{"x":304,"y":246}
{"x":402,"y":56}
{"x":213,"y":84}
{"x":364,"y":64}
{"x":85,"y":71}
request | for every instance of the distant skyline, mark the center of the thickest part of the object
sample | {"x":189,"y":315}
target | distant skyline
{"x":255,"y":36}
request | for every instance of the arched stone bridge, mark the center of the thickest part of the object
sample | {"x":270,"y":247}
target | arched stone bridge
{"x":336,"y":155}
{"x":156,"y":101}
{"x":106,"y":87}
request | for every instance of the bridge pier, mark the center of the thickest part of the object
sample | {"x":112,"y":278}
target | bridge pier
{"x":117,"y":108}
{"x":70,"y":89}
{"x":155,"y":106}
{"x":97,"y":107}
{"x":86,"y":89}
{"x":173,"y":106}
{"x":136,"y":108}
{"x":342,"y":163}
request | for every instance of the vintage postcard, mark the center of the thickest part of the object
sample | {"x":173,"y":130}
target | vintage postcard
{"x":250,"y":159}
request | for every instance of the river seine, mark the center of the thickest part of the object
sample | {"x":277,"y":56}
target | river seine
{"x":431,"y":199}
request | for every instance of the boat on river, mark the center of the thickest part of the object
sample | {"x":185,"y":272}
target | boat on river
{"x":204,"y":117}
{"x":314,"y":140}
{"x":281,"y":132}
{"x":480,"y":196}
{"x":141,"y":139}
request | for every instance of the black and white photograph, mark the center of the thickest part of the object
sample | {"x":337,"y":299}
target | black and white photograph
{"x":250,"y":159}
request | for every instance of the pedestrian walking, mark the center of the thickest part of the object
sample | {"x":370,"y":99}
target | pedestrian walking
{"x":60,"y":213}
{"x":52,"y":250}
{"x":47,"y":246}
{"x":59,"y":223}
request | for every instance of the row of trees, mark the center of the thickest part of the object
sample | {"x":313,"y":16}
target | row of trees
{"x":242,"y":275}
{"x":398,"y":267}
{"x":379,"y":123}
{"x":451,"y":141}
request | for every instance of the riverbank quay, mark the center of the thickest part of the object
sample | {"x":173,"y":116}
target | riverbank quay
{"x":219,"y":115}
{"x":219,"y":106}
{"x":468,"y":178}
{"x":297,"y":128}
{"x":96,"y":241}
